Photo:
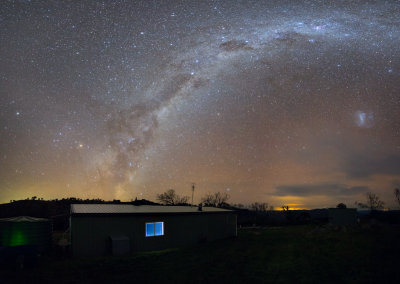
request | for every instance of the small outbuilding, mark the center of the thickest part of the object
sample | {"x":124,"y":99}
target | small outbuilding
{"x":116,"y":229}
{"x":23,"y":239}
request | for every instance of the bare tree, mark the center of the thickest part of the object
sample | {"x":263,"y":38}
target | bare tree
{"x":262,"y":207}
{"x":217,"y":199}
{"x":171,"y":198}
{"x":373,"y":202}
{"x":397,"y":194}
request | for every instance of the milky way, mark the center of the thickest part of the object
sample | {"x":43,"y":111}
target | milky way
{"x":286,"y":102}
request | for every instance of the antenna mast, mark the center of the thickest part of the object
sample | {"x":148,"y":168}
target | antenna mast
{"x":193,"y":186}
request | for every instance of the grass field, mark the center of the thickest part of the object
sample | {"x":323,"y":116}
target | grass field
{"x":296,"y":254}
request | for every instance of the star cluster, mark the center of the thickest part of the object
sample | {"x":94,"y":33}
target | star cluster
{"x":287,"y":102}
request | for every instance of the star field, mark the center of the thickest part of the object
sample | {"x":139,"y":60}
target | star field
{"x":286,"y":102}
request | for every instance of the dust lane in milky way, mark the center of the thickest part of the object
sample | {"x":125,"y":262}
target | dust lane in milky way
{"x":289,"y":102}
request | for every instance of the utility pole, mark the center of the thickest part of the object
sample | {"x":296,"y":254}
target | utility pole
{"x":193,"y":186}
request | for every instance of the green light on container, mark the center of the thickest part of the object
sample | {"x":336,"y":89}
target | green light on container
{"x":18,"y":238}
{"x":14,"y":237}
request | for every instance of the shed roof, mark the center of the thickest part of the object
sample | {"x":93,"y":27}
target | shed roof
{"x":141,"y":209}
{"x":24,"y":219}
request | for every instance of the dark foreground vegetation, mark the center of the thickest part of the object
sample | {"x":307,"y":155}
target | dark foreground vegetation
{"x":292,"y":254}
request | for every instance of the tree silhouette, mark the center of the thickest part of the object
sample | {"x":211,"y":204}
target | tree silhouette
{"x":262,"y":207}
{"x":373,"y":202}
{"x":217,"y":199}
{"x":341,"y":206}
{"x":171,"y":198}
{"x":397,"y":194}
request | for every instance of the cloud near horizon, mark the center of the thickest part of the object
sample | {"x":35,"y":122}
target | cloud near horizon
{"x":358,"y":166}
{"x":325,"y":189}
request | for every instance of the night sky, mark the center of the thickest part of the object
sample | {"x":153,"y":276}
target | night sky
{"x":285,"y":102}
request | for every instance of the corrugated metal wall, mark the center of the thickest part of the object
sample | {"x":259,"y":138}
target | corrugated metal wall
{"x":90,"y":235}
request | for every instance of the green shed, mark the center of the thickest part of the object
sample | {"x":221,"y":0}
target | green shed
{"x":105,"y":229}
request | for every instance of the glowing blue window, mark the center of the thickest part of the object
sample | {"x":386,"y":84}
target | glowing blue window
{"x":154,"y":229}
{"x":159,"y":228}
{"x":149,"y":229}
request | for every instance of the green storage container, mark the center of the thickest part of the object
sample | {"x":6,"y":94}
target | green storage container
{"x":24,"y":230}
